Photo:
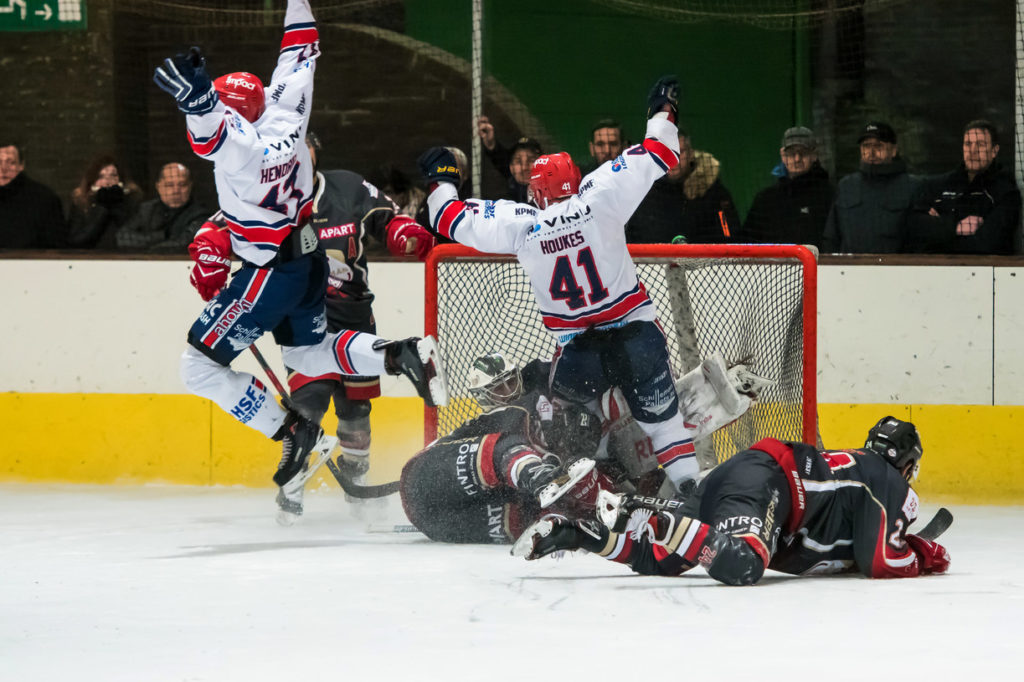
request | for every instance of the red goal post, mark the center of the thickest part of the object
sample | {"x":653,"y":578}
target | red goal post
{"x":757,"y":304}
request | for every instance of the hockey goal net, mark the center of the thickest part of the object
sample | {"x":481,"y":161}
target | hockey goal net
{"x":755,"y":304}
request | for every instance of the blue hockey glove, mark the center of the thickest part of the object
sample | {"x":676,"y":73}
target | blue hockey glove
{"x":438,"y":164}
{"x":184,"y":77}
{"x":665,"y":91}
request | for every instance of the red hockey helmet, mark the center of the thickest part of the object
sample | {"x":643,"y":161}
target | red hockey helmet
{"x":554,"y":177}
{"x":243,"y":92}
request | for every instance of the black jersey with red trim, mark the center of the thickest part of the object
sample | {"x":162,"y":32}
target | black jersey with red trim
{"x":347,"y":208}
{"x":850,"y":510}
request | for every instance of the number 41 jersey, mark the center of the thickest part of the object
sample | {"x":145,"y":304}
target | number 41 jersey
{"x":574,"y":252}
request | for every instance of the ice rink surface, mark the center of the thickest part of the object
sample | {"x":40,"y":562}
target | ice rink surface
{"x":179,"y":583}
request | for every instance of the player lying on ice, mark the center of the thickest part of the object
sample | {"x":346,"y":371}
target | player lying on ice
{"x":784,"y":506}
{"x":572,"y":246}
{"x":491,"y":477}
{"x":256,"y":140}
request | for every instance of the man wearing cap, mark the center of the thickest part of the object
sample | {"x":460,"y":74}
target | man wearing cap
{"x":795,"y":208}
{"x":514,"y":164}
{"x":871,"y":207}
{"x":974,"y":208}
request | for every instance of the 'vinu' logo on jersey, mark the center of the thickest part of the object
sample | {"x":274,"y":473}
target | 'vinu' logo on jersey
{"x":565,"y":219}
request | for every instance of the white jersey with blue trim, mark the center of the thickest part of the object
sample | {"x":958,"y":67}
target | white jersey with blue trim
{"x":574,"y":252}
{"x":263,"y":170}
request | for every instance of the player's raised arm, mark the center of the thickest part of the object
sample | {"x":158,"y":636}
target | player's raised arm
{"x":300,"y":46}
{"x":214,"y":132}
{"x":623,"y":182}
{"x":489,"y":226}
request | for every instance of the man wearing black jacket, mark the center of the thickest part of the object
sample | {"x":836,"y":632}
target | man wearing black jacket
{"x":31,"y":216}
{"x":872,"y":205}
{"x":794,"y":209}
{"x":972,"y":209}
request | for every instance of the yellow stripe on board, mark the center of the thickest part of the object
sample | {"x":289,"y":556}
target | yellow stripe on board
{"x":119,"y":438}
{"x":970,"y":451}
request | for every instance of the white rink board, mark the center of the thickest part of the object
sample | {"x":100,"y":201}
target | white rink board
{"x":914,"y":335}
{"x":1009,"y":336}
{"x":120,"y":326}
{"x":892,"y":334}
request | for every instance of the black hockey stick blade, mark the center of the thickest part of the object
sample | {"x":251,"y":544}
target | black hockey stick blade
{"x":942,"y":520}
{"x":362,"y":492}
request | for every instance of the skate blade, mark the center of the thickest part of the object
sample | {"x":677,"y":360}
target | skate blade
{"x":321,"y":453}
{"x":286,"y":518}
{"x":553,"y":491}
{"x":437,"y":380}
{"x":523,"y":547}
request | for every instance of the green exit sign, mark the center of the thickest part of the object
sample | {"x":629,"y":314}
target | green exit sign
{"x":42,"y":15}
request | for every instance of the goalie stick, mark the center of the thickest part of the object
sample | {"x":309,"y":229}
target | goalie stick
{"x":939,"y":524}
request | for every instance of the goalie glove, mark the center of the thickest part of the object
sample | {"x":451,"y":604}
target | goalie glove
{"x":665,"y":91}
{"x":931,"y":556}
{"x":438,"y":164}
{"x":184,"y":77}
{"x":406,"y":237}
{"x":211,"y":251}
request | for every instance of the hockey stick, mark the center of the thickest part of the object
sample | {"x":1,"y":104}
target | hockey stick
{"x":362,"y":492}
{"x":281,"y":390}
{"x":942,"y":520}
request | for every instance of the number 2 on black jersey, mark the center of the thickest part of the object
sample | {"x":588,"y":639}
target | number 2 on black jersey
{"x":564,"y":286}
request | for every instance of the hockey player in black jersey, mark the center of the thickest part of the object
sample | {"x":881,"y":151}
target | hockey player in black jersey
{"x":784,"y":506}
{"x":494,"y":475}
{"x":489,"y":479}
{"x":346,"y":211}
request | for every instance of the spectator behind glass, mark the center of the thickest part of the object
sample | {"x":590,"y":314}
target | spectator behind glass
{"x":514,"y":164}
{"x":101,"y":204}
{"x":606,"y":142}
{"x":168,"y":223}
{"x":872,"y":205}
{"x":974,"y":208}
{"x":689,"y":202}
{"x":795,"y":208}
{"x":31,"y":216}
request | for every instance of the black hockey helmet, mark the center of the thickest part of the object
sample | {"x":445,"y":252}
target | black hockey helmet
{"x":494,"y":380}
{"x":896,"y":441}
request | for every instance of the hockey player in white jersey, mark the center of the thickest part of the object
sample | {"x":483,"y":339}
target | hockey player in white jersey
{"x":256,"y":140}
{"x":573,"y":249}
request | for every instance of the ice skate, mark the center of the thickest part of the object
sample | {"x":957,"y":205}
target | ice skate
{"x":299,"y":439}
{"x":289,"y":504}
{"x":356,"y":467}
{"x":559,"y":486}
{"x":555,"y":533}
{"x":420,"y":361}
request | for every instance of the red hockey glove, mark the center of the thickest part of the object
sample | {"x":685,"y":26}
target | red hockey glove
{"x":407,"y":237}
{"x":931,"y":556}
{"x":211,"y":251}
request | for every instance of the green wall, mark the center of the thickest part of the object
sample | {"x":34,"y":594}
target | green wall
{"x":573,"y":62}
